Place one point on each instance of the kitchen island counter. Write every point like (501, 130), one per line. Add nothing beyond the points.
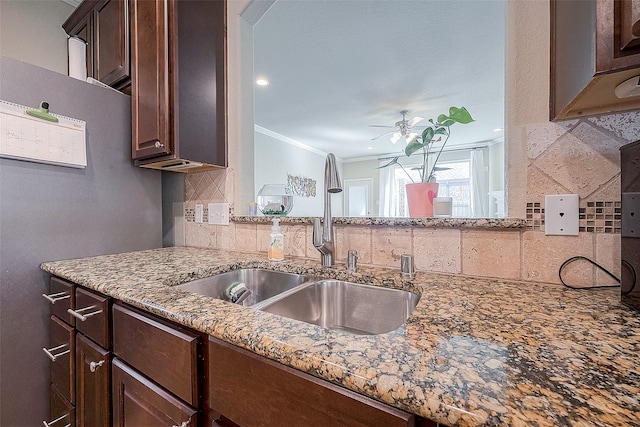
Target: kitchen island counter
(474, 352)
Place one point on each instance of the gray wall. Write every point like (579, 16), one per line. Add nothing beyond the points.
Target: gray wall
(51, 212)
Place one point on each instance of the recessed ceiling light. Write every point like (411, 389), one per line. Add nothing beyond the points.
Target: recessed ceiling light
(498, 130)
(262, 82)
(369, 148)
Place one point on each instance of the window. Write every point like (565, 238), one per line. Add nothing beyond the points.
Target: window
(453, 179)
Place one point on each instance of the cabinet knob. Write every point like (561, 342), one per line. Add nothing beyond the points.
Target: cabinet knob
(79, 313)
(52, 298)
(159, 144)
(93, 366)
(50, 423)
(53, 357)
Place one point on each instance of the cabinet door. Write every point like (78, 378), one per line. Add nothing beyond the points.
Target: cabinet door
(111, 42)
(93, 391)
(617, 35)
(150, 78)
(629, 16)
(139, 402)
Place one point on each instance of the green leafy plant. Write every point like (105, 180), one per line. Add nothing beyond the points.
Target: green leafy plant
(439, 129)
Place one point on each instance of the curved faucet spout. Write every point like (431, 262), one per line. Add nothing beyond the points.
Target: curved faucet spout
(324, 241)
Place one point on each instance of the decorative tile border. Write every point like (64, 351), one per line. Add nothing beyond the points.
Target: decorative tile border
(597, 217)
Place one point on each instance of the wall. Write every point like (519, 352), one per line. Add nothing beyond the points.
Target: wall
(542, 158)
(275, 160)
(52, 212)
(31, 31)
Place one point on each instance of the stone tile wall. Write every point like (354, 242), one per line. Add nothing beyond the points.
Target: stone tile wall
(578, 156)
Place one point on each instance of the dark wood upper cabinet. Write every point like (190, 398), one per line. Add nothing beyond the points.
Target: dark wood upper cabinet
(595, 46)
(178, 84)
(111, 43)
(104, 26)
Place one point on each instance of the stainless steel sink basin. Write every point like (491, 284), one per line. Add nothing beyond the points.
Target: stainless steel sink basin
(350, 307)
(262, 283)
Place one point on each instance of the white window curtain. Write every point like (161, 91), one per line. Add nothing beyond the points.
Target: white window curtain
(479, 185)
(387, 193)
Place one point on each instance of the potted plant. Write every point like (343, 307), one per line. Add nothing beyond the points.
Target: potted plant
(420, 194)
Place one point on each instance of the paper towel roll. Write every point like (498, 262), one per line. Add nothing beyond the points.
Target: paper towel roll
(77, 58)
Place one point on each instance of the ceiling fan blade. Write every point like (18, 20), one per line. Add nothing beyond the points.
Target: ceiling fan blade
(411, 137)
(380, 136)
(381, 126)
(415, 121)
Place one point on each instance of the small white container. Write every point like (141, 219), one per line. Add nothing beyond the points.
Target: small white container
(442, 206)
(276, 242)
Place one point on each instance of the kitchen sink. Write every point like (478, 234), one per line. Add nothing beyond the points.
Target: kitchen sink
(261, 283)
(350, 307)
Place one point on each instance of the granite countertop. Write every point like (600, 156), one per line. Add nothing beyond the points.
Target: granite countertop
(426, 222)
(474, 352)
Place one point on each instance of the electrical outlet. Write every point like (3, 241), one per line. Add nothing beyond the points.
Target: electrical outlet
(561, 214)
(199, 213)
(219, 213)
(631, 215)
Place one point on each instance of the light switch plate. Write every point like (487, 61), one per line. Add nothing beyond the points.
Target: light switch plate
(199, 213)
(630, 215)
(561, 214)
(219, 213)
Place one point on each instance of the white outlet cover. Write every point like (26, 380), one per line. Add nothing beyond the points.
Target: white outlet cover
(561, 215)
(199, 213)
(219, 213)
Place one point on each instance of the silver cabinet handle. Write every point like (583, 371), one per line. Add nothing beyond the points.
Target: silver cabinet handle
(79, 313)
(52, 298)
(184, 424)
(93, 366)
(50, 423)
(159, 144)
(53, 357)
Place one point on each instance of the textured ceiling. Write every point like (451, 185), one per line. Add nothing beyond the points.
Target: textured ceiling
(336, 67)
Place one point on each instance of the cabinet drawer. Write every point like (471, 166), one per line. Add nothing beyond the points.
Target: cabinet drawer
(61, 411)
(254, 391)
(167, 354)
(92, 316)
(61, 297)
(61, 351)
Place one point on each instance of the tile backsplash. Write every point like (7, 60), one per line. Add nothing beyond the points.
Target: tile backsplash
(573, 157)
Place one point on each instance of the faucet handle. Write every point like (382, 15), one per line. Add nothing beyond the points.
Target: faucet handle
(407, 269)
(317, 233)
(352, 260)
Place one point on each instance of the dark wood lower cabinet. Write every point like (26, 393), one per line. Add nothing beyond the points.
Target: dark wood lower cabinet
(138, 402)
(61, 411)
(93, 379)
(254, 391)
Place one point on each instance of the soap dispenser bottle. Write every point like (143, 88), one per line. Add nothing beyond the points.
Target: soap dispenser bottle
(276, 242)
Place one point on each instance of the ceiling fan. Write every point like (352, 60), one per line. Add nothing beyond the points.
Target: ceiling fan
(402, 128)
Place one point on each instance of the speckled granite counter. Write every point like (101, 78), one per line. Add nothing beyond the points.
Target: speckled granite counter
(426, 222)
(475, 352)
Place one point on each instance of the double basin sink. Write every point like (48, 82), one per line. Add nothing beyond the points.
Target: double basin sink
(333, 304)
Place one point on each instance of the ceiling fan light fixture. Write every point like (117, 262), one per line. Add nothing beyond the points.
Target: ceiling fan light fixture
(395, 137)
